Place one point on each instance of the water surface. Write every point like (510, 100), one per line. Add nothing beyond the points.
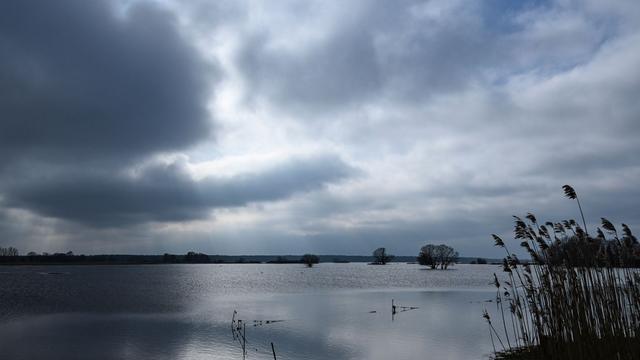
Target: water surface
(330, 311)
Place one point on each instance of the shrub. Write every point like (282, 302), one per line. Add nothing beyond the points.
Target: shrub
(437, 256)
(380, 256)
(309, 259)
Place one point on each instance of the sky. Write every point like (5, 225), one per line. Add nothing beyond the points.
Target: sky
(330, 127)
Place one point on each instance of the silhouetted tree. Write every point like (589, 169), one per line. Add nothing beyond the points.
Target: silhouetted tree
(10, 251)
(309, 259)
(196, 258)
(169, 258)
(437, 256)
(426, 256)
(381, 257)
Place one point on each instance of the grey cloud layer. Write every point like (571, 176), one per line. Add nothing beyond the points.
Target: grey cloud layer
(89, 90)
(409, 51)
(168, 192)
(487, 108)
(461, 114)
(78, 82)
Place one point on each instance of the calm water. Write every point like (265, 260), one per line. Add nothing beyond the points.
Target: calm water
(331, 311)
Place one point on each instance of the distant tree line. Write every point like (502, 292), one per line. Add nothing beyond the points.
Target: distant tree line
(479, 261)
(9, 251)
(191, 257)
(70, 258)
(11, 256)
(435, 256)
(283, 260)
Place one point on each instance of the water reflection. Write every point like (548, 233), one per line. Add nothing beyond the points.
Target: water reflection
(187, 314)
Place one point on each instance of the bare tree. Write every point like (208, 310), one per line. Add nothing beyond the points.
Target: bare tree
(437, 256)
(10, 251)
(427, 256)
(309, 259)
(447, 255)
(380, 256)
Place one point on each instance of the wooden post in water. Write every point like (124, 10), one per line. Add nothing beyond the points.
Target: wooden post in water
(393, 310)
(233, 321)
(273, 350)
(242, 337)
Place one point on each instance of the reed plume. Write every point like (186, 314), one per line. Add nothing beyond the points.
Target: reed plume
(579, 298)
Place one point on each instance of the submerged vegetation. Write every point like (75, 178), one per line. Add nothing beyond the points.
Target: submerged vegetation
(580, 299)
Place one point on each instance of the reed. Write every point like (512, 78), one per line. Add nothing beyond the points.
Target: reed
(579, 298)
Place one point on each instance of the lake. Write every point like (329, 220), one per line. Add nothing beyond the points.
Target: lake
(330, 311)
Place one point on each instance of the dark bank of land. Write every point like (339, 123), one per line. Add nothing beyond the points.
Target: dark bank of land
(195, 258)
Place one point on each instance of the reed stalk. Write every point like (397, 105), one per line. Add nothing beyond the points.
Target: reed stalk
(578, 299)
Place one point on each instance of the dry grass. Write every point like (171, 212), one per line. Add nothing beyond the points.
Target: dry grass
(580, 299)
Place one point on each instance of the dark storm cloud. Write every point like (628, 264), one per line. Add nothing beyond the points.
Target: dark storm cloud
(79, 82)
(168, 192)
(89, 90)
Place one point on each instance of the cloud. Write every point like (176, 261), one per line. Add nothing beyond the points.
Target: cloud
(90, 91)
(410, 51)
(458, 114)
(339, 72)
(167, 192)
(81, 82)
(399, 50)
